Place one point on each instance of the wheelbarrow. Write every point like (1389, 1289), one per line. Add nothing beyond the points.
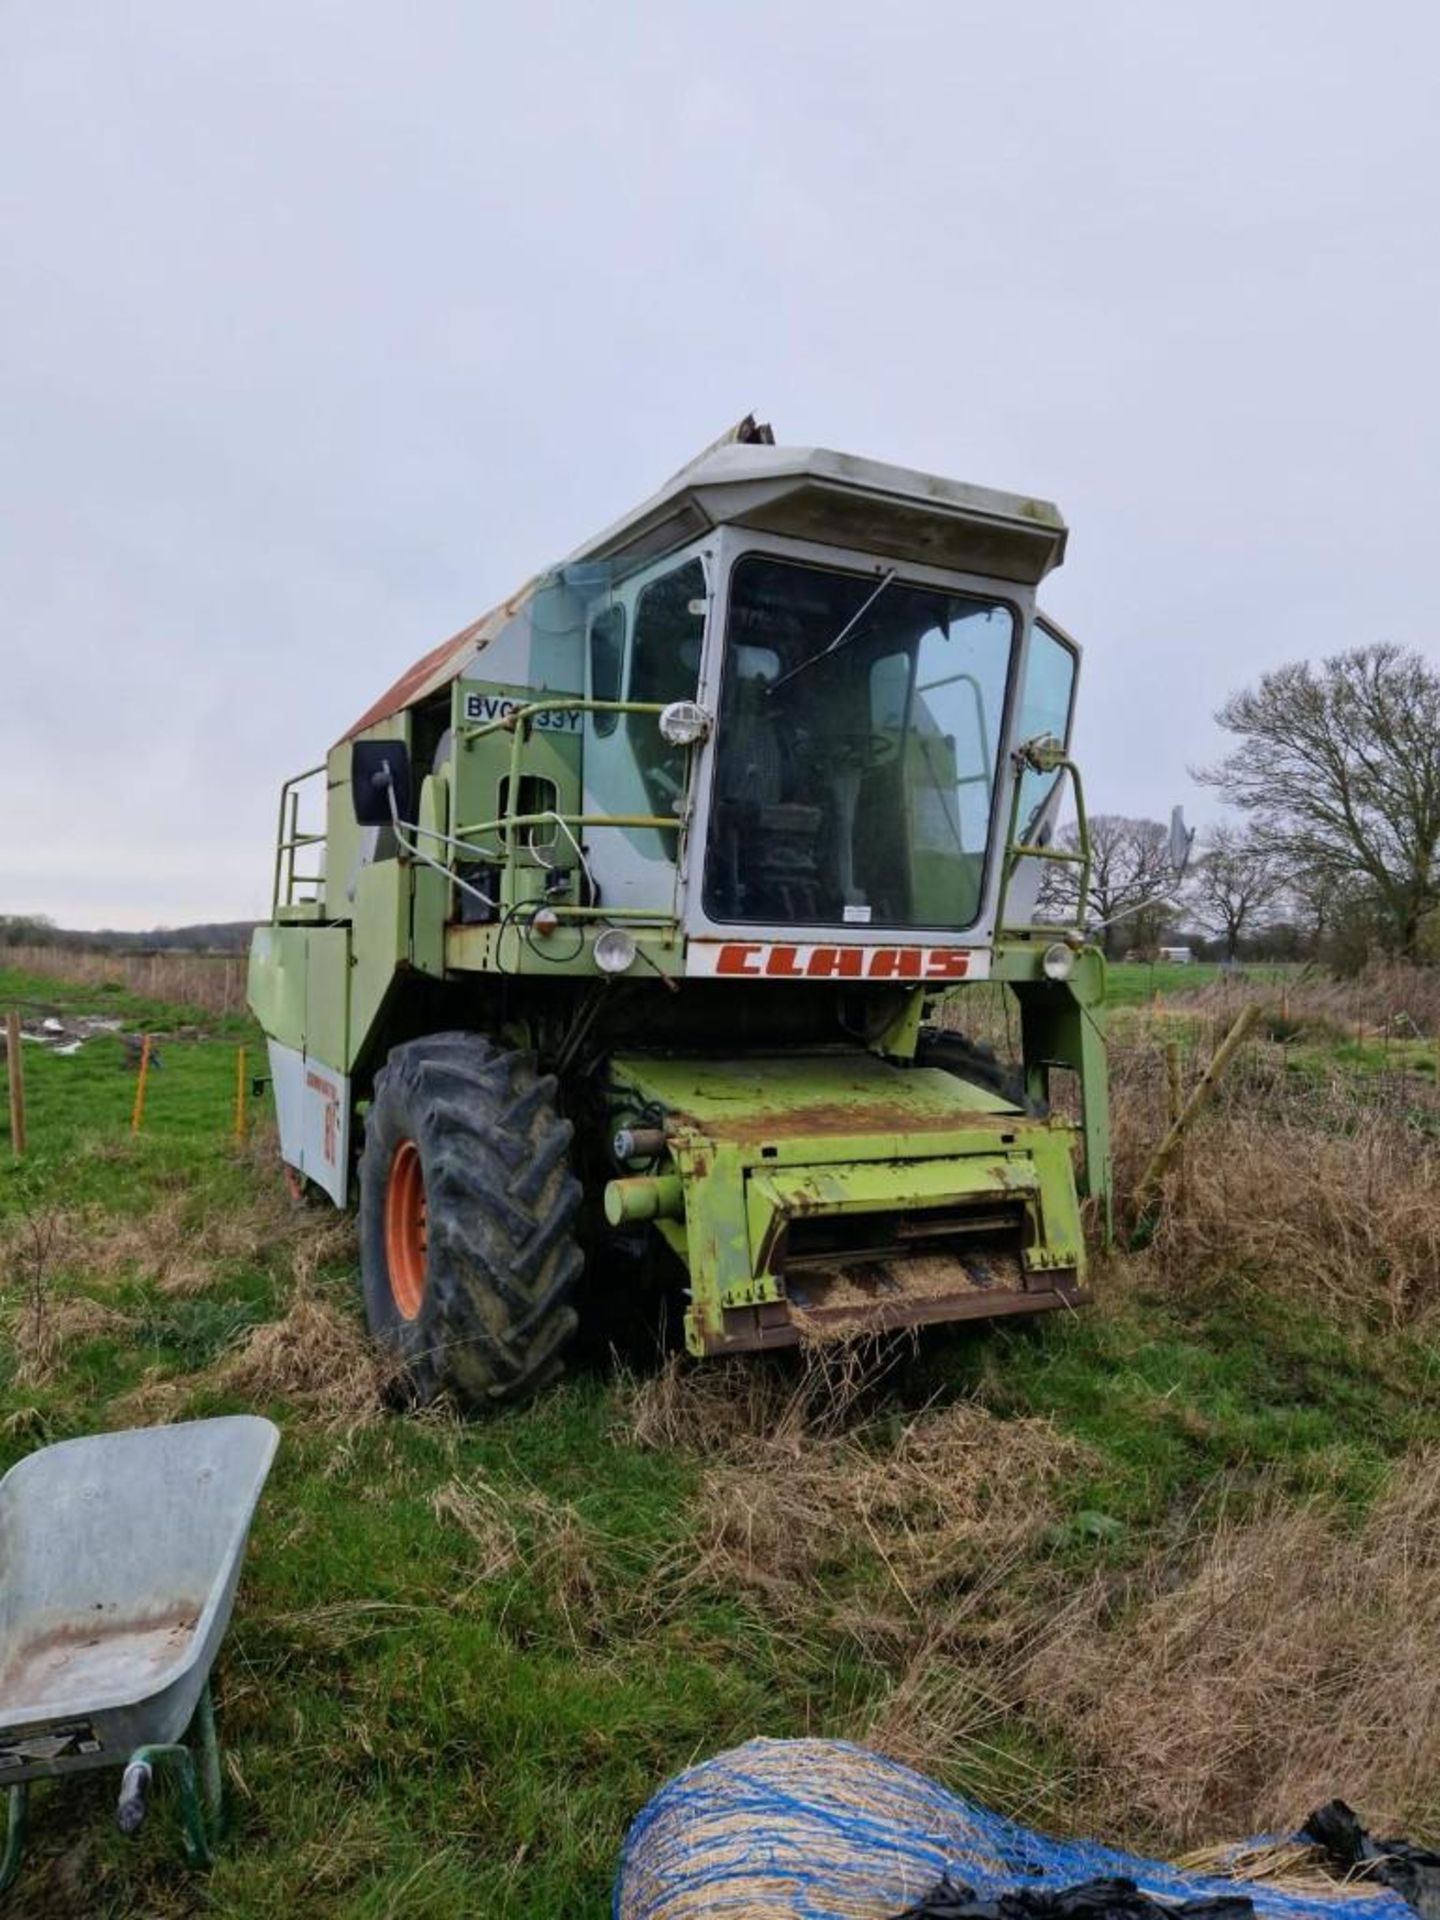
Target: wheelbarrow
(119, 1558)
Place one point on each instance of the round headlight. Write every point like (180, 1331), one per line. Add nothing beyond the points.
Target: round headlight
(1058, 962)
(614, 950)
(684, 722)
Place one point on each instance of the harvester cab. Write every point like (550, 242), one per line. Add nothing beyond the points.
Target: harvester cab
(658, 915)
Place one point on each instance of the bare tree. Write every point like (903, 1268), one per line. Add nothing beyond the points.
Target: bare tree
(1338, 768)
(1130, 878)
(1235, 880)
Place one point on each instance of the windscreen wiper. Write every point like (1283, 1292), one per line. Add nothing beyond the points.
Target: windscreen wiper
(844, 634)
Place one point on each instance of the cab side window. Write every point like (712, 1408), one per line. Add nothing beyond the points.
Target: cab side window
(665, 666)
(1045, 703)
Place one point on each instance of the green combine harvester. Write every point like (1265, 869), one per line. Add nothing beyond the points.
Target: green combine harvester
(639, 932)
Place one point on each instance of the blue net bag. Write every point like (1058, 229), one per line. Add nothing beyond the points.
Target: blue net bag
(823, 1830)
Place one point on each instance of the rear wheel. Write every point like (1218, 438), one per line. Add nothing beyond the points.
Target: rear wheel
(467, 1199)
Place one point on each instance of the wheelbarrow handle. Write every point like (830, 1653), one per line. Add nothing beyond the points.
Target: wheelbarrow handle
(134, 1786)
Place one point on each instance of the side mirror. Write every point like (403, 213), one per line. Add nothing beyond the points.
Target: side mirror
(1182, 839)
(379, 771)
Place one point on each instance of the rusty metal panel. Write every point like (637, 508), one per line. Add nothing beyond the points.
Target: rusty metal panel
(442, 664)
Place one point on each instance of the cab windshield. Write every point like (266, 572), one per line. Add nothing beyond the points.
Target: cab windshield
(860, 721)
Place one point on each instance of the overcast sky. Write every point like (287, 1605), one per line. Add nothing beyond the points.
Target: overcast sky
(323, 326)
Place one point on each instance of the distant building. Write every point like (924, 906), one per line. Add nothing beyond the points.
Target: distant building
(1177, 956)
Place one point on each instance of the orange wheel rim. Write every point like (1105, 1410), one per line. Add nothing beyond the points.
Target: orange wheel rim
(405, 1230)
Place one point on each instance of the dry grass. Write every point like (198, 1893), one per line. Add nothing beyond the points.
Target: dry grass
(318, 1359)
(951, 1703)
(1389, 999)
(43, 1319)
(31, 1256)
(729, 1404)
(1325, 1185)
(1315, 1174)
(1287, 1864)
(522, 1530)
(953, 1491)
(77, 1317)
(176, 1247)
(1283, 1659)
(314, 1354)
(172, 1245)
(215, 982)
(180, 1253)
(487, 1518)
(900, 1537)
(1351, 1219)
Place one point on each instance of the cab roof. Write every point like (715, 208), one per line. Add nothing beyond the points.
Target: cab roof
(809, 493)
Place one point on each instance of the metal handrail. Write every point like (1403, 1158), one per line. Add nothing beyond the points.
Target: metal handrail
(287, 844)
(518, 723)
(555, 703)
(549, 818)
(1017, 850)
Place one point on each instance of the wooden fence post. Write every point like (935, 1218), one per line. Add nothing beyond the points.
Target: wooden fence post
(1172, 1075)
(1205, 1087)
(15, 1073)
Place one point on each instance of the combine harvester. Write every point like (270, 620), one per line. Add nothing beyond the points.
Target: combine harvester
(642, 921)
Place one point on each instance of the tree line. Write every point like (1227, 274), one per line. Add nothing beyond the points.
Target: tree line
(1334, 847)
(211, 936)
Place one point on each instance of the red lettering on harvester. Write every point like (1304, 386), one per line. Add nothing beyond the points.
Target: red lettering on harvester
(735, 958)
(826, 962)
(948, 963)
(784, 962)
(895, 963)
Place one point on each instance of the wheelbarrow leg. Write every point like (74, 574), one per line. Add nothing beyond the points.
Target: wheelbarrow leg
(211, 1784)
(197, 1798)
(14, 1834)
(192, 1813)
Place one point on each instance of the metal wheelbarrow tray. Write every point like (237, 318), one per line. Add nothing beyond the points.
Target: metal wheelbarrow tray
(119, 1558)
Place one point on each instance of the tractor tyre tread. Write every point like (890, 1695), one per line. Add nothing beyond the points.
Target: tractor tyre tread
(501, 1201)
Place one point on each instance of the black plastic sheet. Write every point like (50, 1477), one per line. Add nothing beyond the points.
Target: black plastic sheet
(1107, 1899)
(1411, 1871)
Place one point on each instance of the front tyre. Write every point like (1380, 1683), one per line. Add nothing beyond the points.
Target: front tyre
(467, 1258)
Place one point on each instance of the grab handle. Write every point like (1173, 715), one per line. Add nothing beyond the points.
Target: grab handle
(134, 1786)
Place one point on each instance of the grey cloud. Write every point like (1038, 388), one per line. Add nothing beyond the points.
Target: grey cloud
(324, 325)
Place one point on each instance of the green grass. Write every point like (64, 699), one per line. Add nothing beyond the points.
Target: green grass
(409, 1737)
(1132, 983)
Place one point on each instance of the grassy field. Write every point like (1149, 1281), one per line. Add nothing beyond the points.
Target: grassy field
(1134, 983)
(1168, 1571)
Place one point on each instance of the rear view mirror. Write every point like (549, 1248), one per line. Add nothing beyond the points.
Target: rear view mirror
(380, 771)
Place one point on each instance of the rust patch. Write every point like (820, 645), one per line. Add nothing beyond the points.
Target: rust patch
(442, 663)
(108, 1649)
(404, 690)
